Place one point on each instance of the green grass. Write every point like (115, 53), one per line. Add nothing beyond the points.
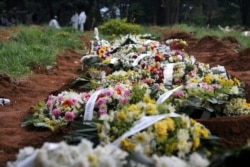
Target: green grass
(31, 46)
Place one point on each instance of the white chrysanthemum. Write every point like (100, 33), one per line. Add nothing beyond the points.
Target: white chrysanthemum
(183, 134)
(234, 90)
(165, 161)
(186, 120)
(184, 147)
(196, 160)
(85, 146)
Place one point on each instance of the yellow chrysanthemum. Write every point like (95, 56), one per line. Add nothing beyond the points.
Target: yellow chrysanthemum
(121, 116)
(151, 109)
(192, 121)
(226, 82)
(126, 145)
(160, 130)
(204, 132)
(141, 138)
(147, 99)
(170, 124)
(133, 107)
(207, 78)
(196, 143)
(237, 82)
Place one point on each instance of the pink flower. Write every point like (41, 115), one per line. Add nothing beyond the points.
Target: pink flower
(85, 96)
(178, 94)
(126, 92)
(60, 98)
(74, 101)
(69, 116)
(102, 112)
(56, 112)
(49, 104)
(108, 93)
(123, 100)
(100, 101)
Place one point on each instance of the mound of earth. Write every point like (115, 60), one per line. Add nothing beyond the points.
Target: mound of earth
(27, 91)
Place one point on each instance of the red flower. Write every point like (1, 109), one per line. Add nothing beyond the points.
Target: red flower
(157, 58)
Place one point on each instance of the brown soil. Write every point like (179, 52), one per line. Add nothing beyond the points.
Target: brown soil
(27, 91)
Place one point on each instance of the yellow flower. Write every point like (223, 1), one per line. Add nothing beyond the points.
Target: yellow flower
(106, 61)
(133, 107)
(246, 104)
(237, 82)
(121, 116)
(147, 99)
(126, 145)
(140, 137)
(207, 78)
(196, 143)
(170, 124)
(99, 127)
(160, 130)
(204, 132)
(192, 121)
(151, 109)
(226, 82)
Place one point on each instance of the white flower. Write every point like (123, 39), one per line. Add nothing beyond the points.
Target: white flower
(196, 160)
(172, 161)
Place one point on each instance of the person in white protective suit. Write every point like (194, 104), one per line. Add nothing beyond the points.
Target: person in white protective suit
(74, 20)
(54, 23)
(82, 20)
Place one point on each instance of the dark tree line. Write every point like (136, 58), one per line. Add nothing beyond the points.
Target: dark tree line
(146, 12)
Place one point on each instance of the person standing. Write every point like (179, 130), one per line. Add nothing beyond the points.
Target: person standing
(82, 20)
(54, 23)
(74, 20)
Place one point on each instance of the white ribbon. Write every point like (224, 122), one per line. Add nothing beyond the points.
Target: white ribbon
(89, 108)
(166, 95)
(135, 63)
(168, 73)
(143, 123)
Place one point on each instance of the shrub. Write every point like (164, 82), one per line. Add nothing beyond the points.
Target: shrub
(115, 26)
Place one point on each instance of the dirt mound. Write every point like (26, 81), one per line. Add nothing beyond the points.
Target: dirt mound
(28, 91)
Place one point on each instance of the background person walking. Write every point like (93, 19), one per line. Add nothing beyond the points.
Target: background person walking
(82, 20)
(54, 23)
(74, 20)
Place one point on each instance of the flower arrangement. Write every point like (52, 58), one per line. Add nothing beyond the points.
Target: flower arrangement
(206, 92)
(167, 135)
(57, 111)
(85, 154)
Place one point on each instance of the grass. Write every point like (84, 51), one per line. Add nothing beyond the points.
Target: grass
(31, 46)
(35, 45)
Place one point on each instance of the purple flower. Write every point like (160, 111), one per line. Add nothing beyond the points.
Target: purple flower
(123, 100)
(56, 112)
(69, 116)
(102, 112)
(49, 104)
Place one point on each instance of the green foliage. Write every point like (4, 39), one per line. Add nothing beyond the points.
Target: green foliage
(117, 27)
(32, 46)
